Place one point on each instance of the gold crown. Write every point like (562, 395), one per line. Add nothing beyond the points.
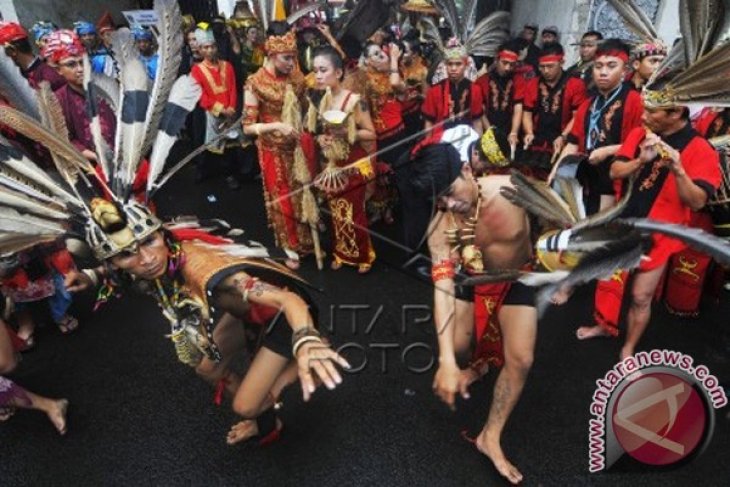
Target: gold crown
(658, 99)
(279, 44)
(419, 6)
(455, 52)
(491, 149)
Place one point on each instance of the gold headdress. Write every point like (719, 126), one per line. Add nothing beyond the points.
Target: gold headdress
(419, 7)
(281, 44)
(495, 147)
(242, 18)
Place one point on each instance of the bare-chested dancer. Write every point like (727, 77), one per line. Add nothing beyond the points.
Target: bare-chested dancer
(502, 237)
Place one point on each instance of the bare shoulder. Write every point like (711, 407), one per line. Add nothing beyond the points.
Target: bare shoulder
(494, 205)
(490, 186)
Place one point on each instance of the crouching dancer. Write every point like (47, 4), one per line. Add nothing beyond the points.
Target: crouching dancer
(206, 291)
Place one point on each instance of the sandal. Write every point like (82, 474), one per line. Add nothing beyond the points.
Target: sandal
(67, 324)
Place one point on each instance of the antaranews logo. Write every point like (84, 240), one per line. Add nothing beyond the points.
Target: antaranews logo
(657, 407)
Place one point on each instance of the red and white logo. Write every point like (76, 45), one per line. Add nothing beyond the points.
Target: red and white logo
(659, 418)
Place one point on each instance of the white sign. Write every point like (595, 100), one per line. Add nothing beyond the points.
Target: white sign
(141, 18)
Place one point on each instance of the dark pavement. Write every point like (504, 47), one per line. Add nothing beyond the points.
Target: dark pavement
(138, 417)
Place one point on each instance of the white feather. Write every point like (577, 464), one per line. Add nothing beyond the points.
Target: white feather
(170, 43)
(185, 94)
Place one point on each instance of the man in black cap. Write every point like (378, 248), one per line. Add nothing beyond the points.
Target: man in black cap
(549, 35)
(529, 33)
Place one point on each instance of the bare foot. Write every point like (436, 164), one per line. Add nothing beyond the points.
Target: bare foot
(561, 296)
(242, 431)
(493, 451)
(587, 332)
(57, 414)
(6, 412)
(292, 264)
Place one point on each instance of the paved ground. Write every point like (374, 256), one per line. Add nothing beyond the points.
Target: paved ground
(137, 417)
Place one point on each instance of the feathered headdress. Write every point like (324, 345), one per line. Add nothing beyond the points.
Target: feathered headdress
(469, 38)
(695, 72)
(649, 43)
(95, 203)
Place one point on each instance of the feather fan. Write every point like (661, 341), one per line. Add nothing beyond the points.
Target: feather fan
(22, 202)
(469, 17)
(537, 198)
(624, 253)
(704, 83)
(18, 163)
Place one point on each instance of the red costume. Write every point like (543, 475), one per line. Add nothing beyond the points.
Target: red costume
(499, 94)
(656, 196)
(219, 86)
(447, 100)
(614, 116)
(282, 192)
(551, 109)
(687, 269)
(352, 244)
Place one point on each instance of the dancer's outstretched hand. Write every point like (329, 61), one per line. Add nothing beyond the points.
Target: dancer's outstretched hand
(316, 360)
